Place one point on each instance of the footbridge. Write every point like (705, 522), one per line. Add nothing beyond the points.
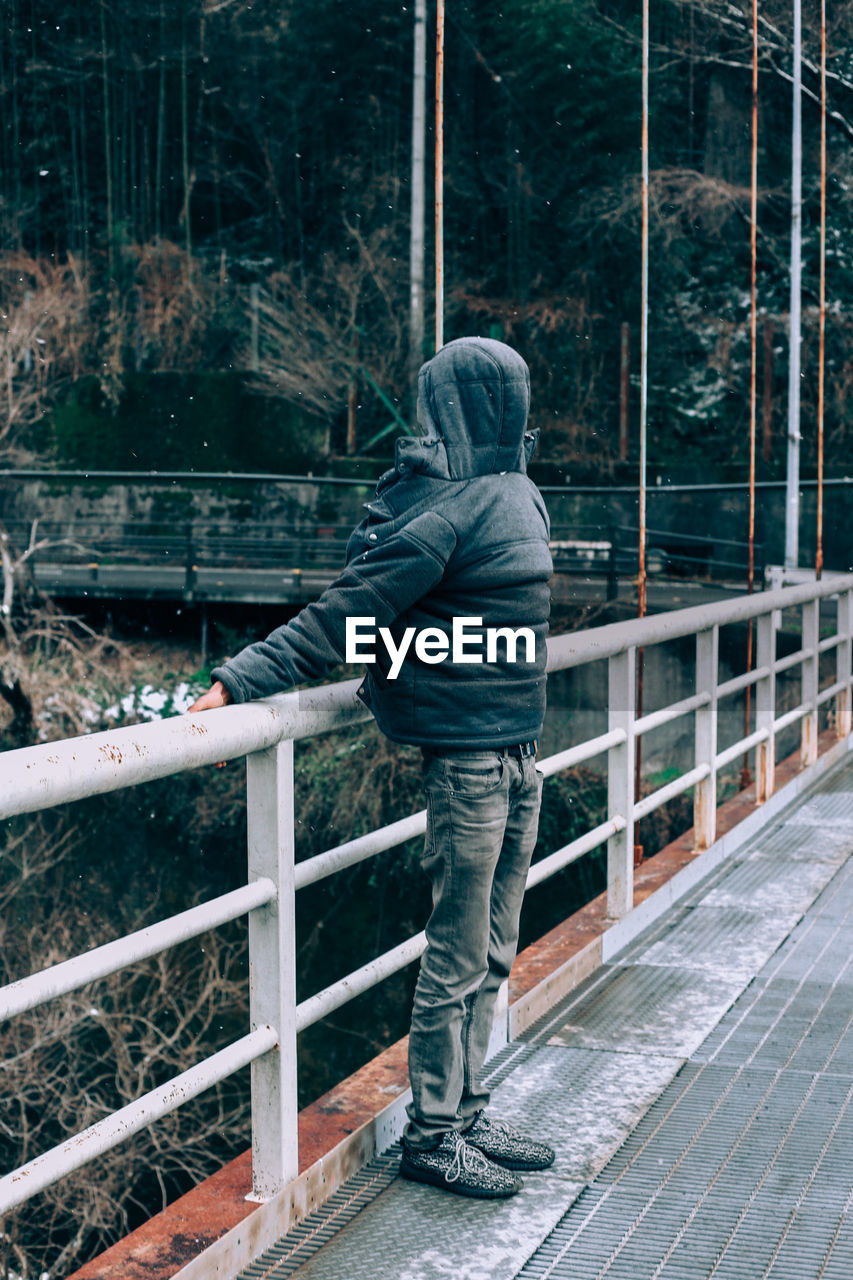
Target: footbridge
(684, 1040)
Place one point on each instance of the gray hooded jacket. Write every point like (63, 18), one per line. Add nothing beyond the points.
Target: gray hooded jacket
(456, 530)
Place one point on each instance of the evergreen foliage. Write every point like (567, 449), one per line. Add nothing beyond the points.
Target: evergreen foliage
(179, 154)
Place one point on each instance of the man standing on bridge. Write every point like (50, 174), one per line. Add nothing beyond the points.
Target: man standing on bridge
(457, 536)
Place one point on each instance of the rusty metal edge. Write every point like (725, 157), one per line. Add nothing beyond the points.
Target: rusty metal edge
(531, 1006)
(273, 1219)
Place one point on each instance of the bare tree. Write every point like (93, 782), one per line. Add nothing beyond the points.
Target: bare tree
(76, 1059)
(47, 657)
(729, 42)
(319, 335)
(42, 340)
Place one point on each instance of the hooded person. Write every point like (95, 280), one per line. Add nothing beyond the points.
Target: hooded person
(445, 596)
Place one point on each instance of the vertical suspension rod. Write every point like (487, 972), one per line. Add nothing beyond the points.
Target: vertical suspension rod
(644, 319)
(792, 500)
(439, 175)
(753, 328)
(416, 231)
(822, 344)
(644, 387)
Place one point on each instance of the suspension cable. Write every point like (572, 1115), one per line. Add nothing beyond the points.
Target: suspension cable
(644, 320)
(644, 383)
(822, 344)
(439, 175)
(746, 777)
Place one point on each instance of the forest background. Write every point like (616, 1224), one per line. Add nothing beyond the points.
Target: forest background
(205, 216)
(159, 160)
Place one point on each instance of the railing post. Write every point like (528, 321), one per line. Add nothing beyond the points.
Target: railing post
(810, 681)
(189, 562)
(272, 969)
(843, 661)
(705, 793)
(765, 705)
(620, 783)
(612, 570)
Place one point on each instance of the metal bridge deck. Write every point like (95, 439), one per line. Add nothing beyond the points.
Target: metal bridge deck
(698, 1090)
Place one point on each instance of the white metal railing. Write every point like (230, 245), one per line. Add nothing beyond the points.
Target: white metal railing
(39, 777)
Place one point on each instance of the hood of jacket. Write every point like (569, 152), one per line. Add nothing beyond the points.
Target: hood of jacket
(473, 402)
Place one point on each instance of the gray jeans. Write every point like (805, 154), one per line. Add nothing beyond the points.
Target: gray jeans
(482, 819)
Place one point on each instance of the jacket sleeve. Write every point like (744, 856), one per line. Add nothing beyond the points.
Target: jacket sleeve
(381, 583)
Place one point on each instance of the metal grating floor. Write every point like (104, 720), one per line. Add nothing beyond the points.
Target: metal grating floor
(699, 1091)
(743, 1167)
(285, 1258)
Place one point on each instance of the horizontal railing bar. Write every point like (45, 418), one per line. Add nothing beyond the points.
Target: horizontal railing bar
(738, 748)
(146, 535)
(830, 642)
(366, 846)
(48, 1168)
(672, 789)
(55, 773)
(70, 975)
(354, 851)
(569, 853)
(229, 477)
(791, 717)
(583, 751)
(355, 984)
(792, 660)
(708, 562)
(675, 709)
(578, 647)
(684, 537)
(738, 683)
(831, 691)
(163, 545)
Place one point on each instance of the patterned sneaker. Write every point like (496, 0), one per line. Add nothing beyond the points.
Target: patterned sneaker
(504, 1145)
(457, 1167)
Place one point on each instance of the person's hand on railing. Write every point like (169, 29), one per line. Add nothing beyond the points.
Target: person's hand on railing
(216, 696)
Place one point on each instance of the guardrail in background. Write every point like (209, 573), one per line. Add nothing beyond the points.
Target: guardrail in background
(192, 544)
(612, 551)
(39, 777)
(577, 549)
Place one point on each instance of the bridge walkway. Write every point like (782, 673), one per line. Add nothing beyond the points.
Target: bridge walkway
(697, 1088)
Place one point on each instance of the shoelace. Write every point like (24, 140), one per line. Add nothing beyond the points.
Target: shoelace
(466, 1159)
(501, 1126)
(496, 1126)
